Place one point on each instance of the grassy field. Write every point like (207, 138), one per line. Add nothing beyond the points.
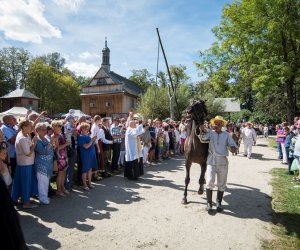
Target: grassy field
(286, 210)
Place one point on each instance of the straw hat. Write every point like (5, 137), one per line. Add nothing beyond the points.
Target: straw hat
(138, 117)
(218, 118)
(249, 123)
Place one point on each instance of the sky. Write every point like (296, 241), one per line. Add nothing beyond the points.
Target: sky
(77, 30)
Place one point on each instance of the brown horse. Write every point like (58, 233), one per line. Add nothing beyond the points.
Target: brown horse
(195, 151)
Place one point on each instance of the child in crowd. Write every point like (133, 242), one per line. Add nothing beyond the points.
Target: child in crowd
(88, 155)
(166, 142)
(266, 131)
(161, 147)
(121, 161)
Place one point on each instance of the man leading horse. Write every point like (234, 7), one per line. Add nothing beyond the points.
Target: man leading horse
(217, 163)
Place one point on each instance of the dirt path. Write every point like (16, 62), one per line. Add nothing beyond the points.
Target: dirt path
(148, 214)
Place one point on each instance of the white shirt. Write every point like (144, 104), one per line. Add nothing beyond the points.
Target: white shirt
(23, 144)
(102, 137)
(249, 135)
(95, 131)
(131, 143)
(218, 146)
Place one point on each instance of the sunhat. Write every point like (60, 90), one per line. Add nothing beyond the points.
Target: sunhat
(218, 118)
(138, 117)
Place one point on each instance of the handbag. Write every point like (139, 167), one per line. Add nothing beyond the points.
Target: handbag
(294, 165)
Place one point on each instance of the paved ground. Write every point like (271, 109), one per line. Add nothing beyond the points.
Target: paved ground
(148, 214)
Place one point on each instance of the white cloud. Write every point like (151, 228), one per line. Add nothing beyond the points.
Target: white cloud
(83, 69)
(88, 55)
(24, 21)
(73, 5)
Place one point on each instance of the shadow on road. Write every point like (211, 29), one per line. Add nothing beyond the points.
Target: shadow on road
(247, 202)
(74, 210)
(260, 157)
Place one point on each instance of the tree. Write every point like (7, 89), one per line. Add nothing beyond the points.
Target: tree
(257, 52)
(149, 105)
(14, 64)
(154, 103)
(142, 78)
(54, 60)
(57, 91)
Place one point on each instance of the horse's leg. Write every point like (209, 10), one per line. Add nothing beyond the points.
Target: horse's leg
(187, 180)
(202, 178)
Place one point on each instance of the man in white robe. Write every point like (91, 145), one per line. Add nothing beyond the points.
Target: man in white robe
(133, 151)
(249, 138)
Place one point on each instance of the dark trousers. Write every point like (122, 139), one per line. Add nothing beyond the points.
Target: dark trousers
(79, 167)
(279, 150)
(13, 164)
(134, 169)
(115, 156)
(72, 158)
(107, 157)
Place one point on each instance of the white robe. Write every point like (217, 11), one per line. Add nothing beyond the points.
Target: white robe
(249, 137)
(131, 146)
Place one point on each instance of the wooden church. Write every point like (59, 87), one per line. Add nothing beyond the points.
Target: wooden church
(109, 94)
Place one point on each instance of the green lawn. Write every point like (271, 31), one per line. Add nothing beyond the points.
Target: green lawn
(286, 212)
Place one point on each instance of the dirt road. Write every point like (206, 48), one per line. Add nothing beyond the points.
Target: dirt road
(148, 214)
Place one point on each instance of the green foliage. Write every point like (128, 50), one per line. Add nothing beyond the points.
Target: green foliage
(257, 50)
(243, 114)
(58, 91)
(149, 105)
(45, 76)
(55, 60)
(154, 103)
(203, 90)
(260, 117)
(142, 78)
(14, 63)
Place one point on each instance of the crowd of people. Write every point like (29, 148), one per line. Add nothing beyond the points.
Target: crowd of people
(288, 146)
(33, 151)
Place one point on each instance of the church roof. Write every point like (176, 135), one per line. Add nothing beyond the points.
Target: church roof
(106, 81)
(20, 93)
(104, 77)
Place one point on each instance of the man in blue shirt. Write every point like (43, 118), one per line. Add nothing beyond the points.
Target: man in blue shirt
(10, 133)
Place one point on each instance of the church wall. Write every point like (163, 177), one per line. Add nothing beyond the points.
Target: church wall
(103, 105)
(129, 102)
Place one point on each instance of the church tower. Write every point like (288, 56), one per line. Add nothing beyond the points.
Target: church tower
(105, 57)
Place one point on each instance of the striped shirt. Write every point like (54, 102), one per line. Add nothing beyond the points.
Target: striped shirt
(116, 131)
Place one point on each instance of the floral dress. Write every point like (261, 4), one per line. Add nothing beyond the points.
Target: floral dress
(61, 155)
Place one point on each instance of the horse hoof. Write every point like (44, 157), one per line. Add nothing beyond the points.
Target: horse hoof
(184, 201)
(200, 191)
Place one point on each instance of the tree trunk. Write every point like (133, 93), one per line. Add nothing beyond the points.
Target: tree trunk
(290, 100)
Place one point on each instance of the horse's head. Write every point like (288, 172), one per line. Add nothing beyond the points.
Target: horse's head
(197, 111)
